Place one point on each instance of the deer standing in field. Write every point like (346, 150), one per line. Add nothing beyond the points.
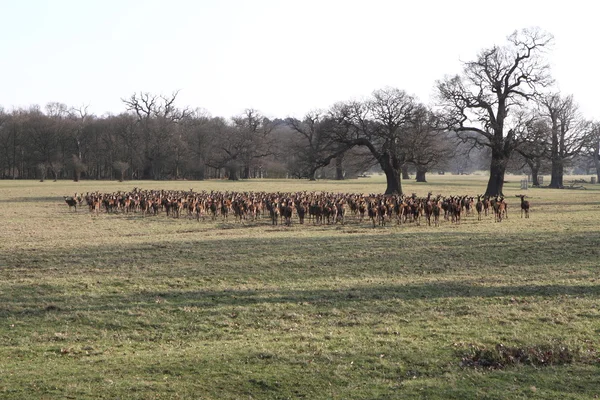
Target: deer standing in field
(524, 205)
(487, 204)
(500, 211)
(479, 207)
(71, 202)
(436, 210)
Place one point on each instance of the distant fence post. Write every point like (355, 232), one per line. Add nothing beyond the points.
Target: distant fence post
(524, 184)
(593, 180)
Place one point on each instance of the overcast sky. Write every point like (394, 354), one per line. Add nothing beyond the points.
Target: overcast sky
(282, 58)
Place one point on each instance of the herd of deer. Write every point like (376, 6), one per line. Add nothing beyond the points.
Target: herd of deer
(281, 208)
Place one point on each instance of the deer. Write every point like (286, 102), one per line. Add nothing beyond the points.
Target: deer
(274, 211)
(524, 205)
(372, 211)
(71, 202)
(428, 208)
(287, 210)
(499, 206)
(479, 207)
(487, 204)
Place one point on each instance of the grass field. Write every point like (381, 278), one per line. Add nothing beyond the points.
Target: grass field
(121, 306)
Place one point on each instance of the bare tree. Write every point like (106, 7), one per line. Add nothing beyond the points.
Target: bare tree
(80, 119)
(240, 146)
(56, 167)
(157, 117)
(79, 167)
(425, 144)
(255, 137)
(379, 124)
(501, 79)
(592, 148)
(534, 146)
(44, 139)
(122, 167)
(568, 133)
(312, 144)
(197, 130)
(225, 148)
(43, 168)
(127, 143)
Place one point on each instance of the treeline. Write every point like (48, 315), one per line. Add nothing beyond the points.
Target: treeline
(155, 139)
(151, 139)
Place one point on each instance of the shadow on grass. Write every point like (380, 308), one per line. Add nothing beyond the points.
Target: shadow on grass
(46, 199)
(328, 254)
(28, 300)
(279, 262)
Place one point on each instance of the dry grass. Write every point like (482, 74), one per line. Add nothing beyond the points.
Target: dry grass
(116, 306)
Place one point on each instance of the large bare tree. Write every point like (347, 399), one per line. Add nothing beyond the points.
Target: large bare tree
(255, 140)
(197, 127)
(592, 148)
(568, 133)
(239, 146)
(379, 124)
(534, 146)
(500, 80)
(157, 117)
(312, 143)
(425, 144)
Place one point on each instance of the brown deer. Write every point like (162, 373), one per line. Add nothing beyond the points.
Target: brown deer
(287, 211)
(436, 210)
(487, 204)
(479, 207)
(499, 206)
(428, 209)
(372, 211)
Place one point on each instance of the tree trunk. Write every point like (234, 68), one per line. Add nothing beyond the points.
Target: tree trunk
(42, 169)
(392, 175)
(312, 175)
(556, 177)
(497, 170)
(246, 172)
(534, 166)
(556, 180)
(233, 174)
(597, 164)
(421, 171)
(339, 168)
(405, 174)
(535, 170)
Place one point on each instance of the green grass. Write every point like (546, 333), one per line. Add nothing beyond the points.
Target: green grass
(116, 306)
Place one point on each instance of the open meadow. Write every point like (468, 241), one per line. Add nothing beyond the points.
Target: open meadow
(132, 307)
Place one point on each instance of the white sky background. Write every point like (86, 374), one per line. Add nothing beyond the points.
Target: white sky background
(282, 58)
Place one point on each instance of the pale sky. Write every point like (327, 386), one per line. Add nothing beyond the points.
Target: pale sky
(283, 58)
